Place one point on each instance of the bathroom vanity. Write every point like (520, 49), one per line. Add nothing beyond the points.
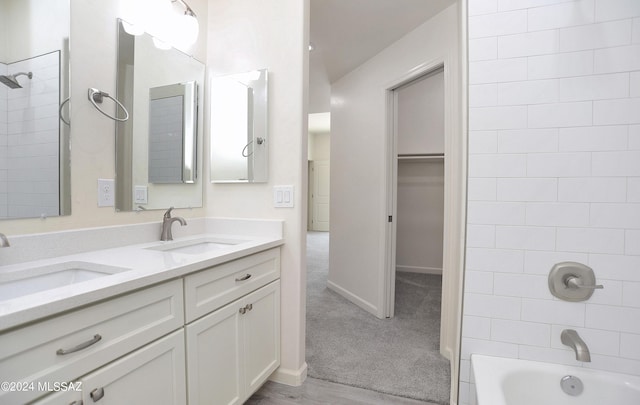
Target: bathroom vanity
(204, 329)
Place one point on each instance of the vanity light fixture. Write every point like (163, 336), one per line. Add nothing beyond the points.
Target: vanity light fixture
(187, 26)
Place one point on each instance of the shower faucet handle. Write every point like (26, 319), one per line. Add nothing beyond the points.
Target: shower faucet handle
(573, 281)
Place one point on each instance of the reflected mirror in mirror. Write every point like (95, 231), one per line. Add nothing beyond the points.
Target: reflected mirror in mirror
(158, 160)
(34, 109)
(239, 143)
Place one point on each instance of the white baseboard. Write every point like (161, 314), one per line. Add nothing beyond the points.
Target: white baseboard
(367, 306)
(423, 270)
(290, 377)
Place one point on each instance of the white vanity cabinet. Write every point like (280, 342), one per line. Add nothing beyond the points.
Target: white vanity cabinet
(232, 350)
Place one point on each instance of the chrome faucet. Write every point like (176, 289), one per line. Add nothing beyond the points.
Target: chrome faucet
(4, 242)
(167, 221)
(571, 338)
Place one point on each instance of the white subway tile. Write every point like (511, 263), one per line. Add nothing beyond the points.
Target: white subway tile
(631, 294)
(491, 306)
(635, 36)
(496, 71)
(496, 260)
(551, 311)
(485, 118)
(480, 282)
(630, 346)
(476, 327)
(614, 112)
(618, 59)
(465, 370)
(525, 333)
(557, 214)
(521, 285)
(634, 137)
(483, 95)
(634, 86)
(592, 189)
(479, 346)
(497, 165)
(593, 138)
(632, 243)
(598, 87)
(527, 189)
(616, 9)
(481, 189)
(525, 237)
(483, 142)
(633, 189)
(478, 7)
(615, 267)
(506, 5)
(496, 213)
(621, 216)
(556, 356)
(529, 92)
(560, 65)
(483, 49)
(611, 294)
(561, 15)
(616, 163)
(591, 240)
(511, 22)
(481, 236)
(614, 364)
(612, 318)
(594, 36)
(529, 44)
(542, 262)
(560, 115)
(599, 341)
(464, 396)
(528, 140)
(559, 164)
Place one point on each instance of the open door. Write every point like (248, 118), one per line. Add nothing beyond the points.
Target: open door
(319, 195)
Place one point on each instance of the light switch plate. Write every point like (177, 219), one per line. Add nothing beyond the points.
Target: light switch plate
(140, 196)
(283, 196)
(106, 192)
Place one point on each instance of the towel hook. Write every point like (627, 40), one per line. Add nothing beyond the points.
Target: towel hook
(68, 122)
(96, 96)
(259, 141)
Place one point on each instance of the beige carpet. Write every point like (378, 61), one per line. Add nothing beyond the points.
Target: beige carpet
(347, 345)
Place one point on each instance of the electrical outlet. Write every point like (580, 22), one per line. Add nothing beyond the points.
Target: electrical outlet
(106, 192)
(140, 194)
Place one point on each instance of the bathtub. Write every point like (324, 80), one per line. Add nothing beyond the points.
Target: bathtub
(501, 381)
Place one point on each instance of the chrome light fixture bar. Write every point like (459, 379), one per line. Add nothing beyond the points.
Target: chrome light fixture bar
(188, 11)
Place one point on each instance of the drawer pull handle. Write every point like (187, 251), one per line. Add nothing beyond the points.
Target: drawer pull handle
(246, 308)
(97, 394)
(243, 310)
(249, 307)
(76, 403)
(244, 278)
(96, 339)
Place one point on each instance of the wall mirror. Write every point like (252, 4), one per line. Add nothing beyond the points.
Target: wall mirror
(158, 149)
(34, 108)
(239, 141)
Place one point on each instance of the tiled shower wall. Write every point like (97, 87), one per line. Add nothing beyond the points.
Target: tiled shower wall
(29, 168)
(554, 175)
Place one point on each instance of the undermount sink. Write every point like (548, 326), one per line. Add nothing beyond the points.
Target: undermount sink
(196, 246)
(37, 279)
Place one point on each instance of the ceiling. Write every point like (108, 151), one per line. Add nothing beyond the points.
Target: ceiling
(346, 33)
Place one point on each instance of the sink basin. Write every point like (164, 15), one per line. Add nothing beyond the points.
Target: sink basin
(33, 280)
(196, 246)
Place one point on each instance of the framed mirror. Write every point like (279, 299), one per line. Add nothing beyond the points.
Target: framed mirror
(239, 142)
(34, 109)
(158, 150)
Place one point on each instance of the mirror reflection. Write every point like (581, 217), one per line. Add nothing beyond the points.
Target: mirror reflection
(34, 115)
(158, 161)
(239, 149)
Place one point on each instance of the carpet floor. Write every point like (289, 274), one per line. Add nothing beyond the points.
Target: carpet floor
(347, 345)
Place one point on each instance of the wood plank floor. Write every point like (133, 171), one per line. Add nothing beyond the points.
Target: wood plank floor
(320, 392)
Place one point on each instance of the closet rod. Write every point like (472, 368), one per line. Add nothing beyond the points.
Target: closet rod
(421, 156)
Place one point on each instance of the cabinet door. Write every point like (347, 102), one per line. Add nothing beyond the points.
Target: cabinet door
(214, 358)
(153, 374)
(261, 329)
(61, 398)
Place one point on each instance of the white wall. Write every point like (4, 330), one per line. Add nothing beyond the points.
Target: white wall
(271, 34)
(358, 155)
(319, 146)
(554, 175)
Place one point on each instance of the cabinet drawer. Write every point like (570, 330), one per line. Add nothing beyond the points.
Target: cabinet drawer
(210, 289)
(65, 347)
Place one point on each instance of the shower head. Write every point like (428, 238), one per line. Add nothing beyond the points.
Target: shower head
(11, 81)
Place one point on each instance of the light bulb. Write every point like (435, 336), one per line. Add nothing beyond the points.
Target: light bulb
(186, 31)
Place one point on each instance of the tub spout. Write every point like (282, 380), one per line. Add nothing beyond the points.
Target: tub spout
(571, 338)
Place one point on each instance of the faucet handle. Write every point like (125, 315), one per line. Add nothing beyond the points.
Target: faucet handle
(168, 213)
(575, 282)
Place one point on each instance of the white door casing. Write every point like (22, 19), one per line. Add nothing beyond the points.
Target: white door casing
(319, 195)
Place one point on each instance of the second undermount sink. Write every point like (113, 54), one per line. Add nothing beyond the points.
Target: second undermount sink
(37, 279)
(196, 246)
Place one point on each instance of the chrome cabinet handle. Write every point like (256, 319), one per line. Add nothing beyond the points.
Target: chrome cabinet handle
(96, 339)
(97, 394)
(244, 278)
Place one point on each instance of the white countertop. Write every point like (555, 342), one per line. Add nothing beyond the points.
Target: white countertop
(146, 266)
